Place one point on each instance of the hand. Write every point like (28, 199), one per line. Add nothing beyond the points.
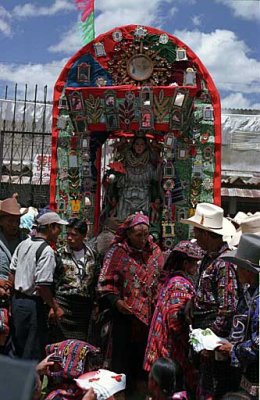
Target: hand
(226, 347)
(89, 395)
(188, 311)
(59, 313)
(43, 367)
(123, 308)
(6, 284)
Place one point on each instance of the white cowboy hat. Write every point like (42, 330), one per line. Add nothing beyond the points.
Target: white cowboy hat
(211, 218)
(248, 225)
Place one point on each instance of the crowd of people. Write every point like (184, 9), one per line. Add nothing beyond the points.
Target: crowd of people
(130, 307)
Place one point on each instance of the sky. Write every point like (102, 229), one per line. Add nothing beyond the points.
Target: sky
(38, 37)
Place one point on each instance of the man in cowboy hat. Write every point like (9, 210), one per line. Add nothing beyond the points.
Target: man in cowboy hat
(10, 235)
(33, 284)
(216, 293)
(243, 345)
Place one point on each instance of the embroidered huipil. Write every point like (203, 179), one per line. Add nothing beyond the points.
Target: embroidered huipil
(132, 275)
(245, 336)
(217, 292)
(168, 335)
(79, 276)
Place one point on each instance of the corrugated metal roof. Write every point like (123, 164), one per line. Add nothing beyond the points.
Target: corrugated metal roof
(237, 192)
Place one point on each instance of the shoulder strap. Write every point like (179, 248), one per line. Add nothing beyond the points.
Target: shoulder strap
(40, 249)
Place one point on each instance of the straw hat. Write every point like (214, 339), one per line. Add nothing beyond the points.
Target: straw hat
(10, 206)
(211, 218)
(247, 255)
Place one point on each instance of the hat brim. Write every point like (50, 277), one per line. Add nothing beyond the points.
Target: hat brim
(62, 222)
(18, 214)
(240, 262)
(227, 229)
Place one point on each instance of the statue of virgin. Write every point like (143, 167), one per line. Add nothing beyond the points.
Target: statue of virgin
(138, 186)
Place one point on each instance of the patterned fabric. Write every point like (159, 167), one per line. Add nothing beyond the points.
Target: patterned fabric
(75, 322)
(245, 337)
(216, 293)
(191, 249)
(78, 278)
(4, 325)
(73, 354)
(168, 336)
(133, 275)
(215, 303)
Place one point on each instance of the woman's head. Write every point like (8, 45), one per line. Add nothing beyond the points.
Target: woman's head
(76, 233)
(139, 145)
(184, 257)
(135, 229)
(162, 378)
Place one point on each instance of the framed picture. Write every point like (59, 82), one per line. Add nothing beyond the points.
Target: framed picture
(146, 121)
(181, 54)
(176, 120)
(189, 78)
(80, 124)
(180, 97)
(208, 113)
(76, 102)
(83, 73)
(168, 230)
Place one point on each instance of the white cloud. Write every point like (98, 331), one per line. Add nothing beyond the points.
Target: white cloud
(197, 20)
(246, 9)
(5, 19)
(32, 10)
(121, 12)
(70, 42)
(35, 74)
(226, 58)
(238, 100)
(112, 13)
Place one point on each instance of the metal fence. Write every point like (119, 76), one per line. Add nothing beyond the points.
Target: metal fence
(25, 146)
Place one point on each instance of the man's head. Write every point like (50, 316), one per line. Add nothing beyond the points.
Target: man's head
(247, 258)
(210, 226)
(76, 233)
(49, 225)
(9, 217)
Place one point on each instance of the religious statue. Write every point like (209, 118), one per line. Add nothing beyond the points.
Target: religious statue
(137, 185)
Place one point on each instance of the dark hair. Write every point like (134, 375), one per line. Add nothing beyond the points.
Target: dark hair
(175, 261)
(164, 374)
(80, 226)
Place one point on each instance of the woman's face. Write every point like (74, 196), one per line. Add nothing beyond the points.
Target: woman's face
(190, 266)
(139, 146)
(138, 236)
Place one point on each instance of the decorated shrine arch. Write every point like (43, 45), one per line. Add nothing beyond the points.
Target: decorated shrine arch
(148, 95)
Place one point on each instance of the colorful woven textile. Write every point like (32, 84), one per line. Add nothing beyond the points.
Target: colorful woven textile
(73, 354)
(133, 275)
(168, 336)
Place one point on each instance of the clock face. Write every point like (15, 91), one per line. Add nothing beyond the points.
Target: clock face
(140, 67)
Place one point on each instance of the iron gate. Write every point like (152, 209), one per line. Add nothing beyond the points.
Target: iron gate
(25, 147)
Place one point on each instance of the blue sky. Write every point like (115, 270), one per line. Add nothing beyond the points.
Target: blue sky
(37, 38)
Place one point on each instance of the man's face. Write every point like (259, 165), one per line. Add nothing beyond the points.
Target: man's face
(244, 276)
(202, 238)
(74, 239)
(54, 232)
(10, 224)
(138, 236)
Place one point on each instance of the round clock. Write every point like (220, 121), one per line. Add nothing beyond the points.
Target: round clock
(140, 67)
